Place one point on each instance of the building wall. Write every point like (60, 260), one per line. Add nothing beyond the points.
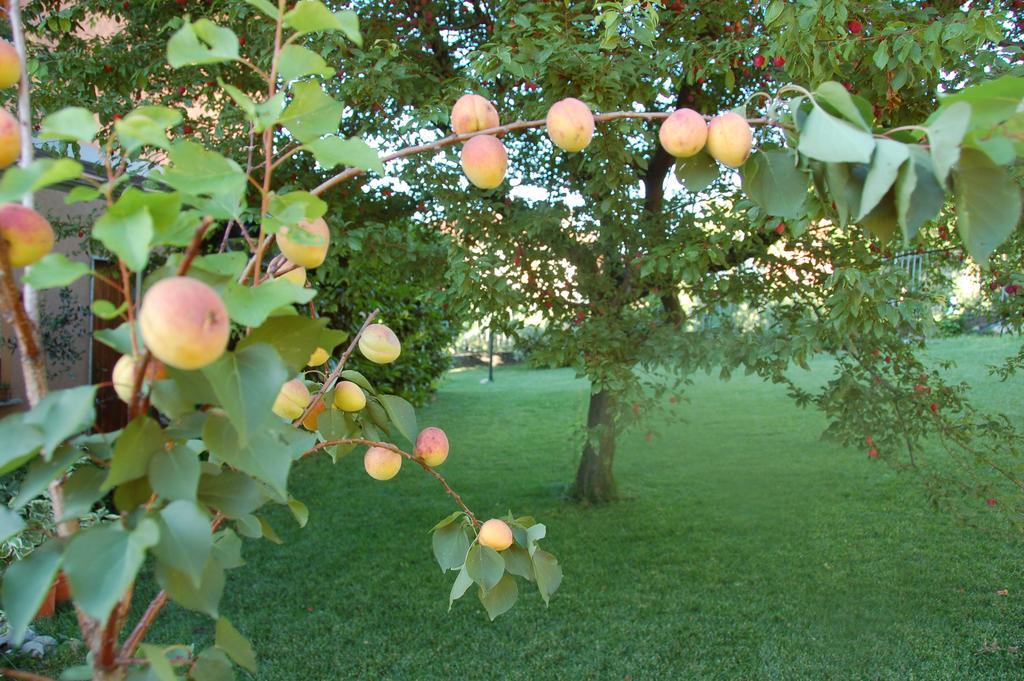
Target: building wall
(66, 316)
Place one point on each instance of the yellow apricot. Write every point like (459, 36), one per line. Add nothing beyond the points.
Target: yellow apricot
(318, 357)
(730, 139)
(311, 250)
(379, 344)
(381, 463)
(184, 323)
(28, 235)
(349, 397)
(570, 124)
(472, 113)
(485, 161)
(292, 399)
(10, 139)
(683, 133)
(431, 446)
(496, 534)
(10, 65)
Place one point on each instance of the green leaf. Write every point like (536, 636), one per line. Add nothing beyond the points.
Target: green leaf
(697, 173)
(41, 473)
(267, 455)
(265, 7)
(26, 584)
(82, 194)
(295, 338)
(548, 573)
(198, 172)
(358, 379)
(297, 61)
(163, 208)
(102, 561)
(402, 415)
(104, 309)
(462, 583)
(235, 645)
(81, 490)
(185, 539)
(450, 544)
(21, 442)
(772, 181)
(988, 204)
(147, 125)
(251, 306)
(312, 16)
(333, 151)
(518, 562)
(233, 494)
(485, 566)
(175, 474)
(205, 597)
(945, 134)
(885, 165)
(838, 97)
(201, 43)
(127, 233)
(44, 172)
(501, 598)
(312, 113)
(141, 439)
(73, 124)
(227, 548)
(827, 138)
(299, 510)
(159, 665)
(54, 270)
(246, 383)
(10, 523)
(212, 665)
(63, 413)
(263, 114)
(919, 197)
(992, 101)
(290, 208)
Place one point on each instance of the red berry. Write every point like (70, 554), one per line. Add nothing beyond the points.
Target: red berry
(854, 26)
(1012, 288)
(934, 407)
(117, 117)
(107, 68)
(869, 440)
(779, 62)
(872, 453)
(888, 359)
(187, 129)
(780, 228)
(241, 41)
(991, 502)
(182, 90)
(759, 61)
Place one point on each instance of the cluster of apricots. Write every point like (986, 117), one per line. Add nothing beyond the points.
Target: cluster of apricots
(570, 125)
(27, 233)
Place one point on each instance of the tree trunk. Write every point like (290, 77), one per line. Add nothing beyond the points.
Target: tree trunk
(595, 482)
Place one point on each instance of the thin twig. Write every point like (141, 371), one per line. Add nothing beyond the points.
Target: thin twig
(152, 610)
(423, 464)
(338, 369)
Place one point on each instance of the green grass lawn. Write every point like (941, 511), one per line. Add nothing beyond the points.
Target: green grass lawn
(745, 548)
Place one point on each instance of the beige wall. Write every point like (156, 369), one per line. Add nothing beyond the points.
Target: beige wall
(73, 336)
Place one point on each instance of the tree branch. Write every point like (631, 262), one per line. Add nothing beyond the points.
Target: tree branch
(424, 465)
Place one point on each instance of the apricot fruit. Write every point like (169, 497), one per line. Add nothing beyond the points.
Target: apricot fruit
(292, 399)
(730, 139)
(184, 323)
(379, 344)
(349, 397)
(570, 124)
(123, 375)
(10, 65)
(318, 357)
(10, 139)
(485, 161)
(307, 251)
(496, 534)
(312, 420)
(431, 446)
(472, 113)
(683, 133)
(28, 235)
(289, 272)
(381, 463)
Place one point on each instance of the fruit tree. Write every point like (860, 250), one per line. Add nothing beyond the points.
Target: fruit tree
(221, 399)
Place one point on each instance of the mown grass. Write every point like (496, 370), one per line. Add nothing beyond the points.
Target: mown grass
(744, 547)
